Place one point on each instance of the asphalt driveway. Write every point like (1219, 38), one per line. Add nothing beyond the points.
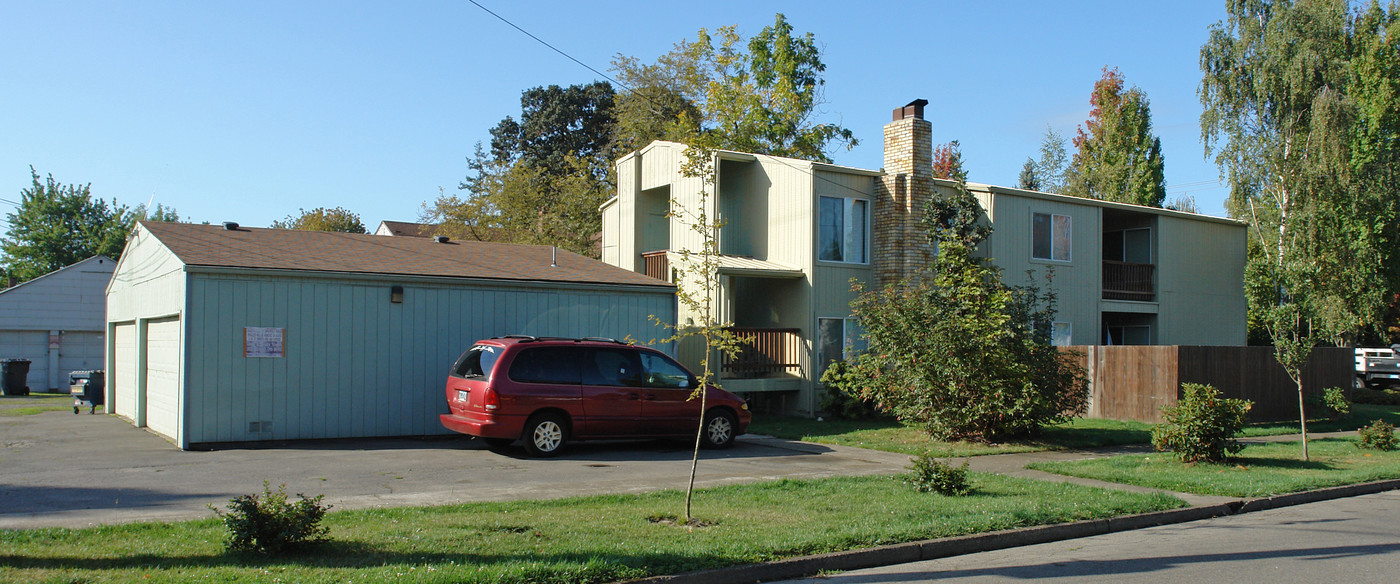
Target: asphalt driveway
(63, 470)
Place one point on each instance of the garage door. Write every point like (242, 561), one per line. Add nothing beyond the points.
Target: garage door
(163, 376)
(123, 373)
(79, 351)
(32, 345)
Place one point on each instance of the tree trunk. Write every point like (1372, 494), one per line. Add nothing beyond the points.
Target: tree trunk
(1302, 418)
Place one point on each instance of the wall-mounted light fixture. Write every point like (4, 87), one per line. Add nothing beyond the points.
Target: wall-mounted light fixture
(396, 295)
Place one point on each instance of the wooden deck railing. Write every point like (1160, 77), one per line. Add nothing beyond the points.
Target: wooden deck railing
(1128, 281)
(763, 352)
(657, 266)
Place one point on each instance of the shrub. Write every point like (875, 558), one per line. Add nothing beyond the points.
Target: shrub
(267, 523)
(958, 351)
(930, 475)
(1380, 435)
(1333, 400)
(842, 394)
(1380, 397)
(1202, 425)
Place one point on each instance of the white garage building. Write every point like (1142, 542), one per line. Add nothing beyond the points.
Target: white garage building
(222, 334)
(55, 321)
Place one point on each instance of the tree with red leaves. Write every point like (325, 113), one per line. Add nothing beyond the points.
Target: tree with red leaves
(1117, 158)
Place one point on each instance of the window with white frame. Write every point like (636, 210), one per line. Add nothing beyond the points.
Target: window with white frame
(837, 339)
(843, 228)
(1051, 237)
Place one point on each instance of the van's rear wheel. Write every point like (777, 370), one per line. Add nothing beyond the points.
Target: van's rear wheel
(545, 435)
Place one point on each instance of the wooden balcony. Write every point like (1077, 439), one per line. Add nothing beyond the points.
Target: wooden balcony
(1129, 281)
(657, 266)
(764, 352)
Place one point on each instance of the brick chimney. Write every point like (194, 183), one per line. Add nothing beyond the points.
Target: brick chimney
(900, 245)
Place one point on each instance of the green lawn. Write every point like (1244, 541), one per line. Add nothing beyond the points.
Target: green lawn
(1259, 470)
(592, 539)
(892, 436)
(34, 403)
(1361, 415)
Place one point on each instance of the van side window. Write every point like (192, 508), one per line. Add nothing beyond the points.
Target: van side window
(613, 367)
(558, 365)
(477, 361)
(663, 372)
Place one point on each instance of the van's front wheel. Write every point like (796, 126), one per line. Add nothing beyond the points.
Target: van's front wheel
(719, 429)
(545, 435)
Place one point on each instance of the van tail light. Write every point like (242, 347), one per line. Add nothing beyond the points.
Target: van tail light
(489, 400)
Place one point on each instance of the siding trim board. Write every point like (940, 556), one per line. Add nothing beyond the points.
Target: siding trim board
(436, 280)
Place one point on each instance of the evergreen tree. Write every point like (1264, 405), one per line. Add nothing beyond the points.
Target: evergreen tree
(1028, 179)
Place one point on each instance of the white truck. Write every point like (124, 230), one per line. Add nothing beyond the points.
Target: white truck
(1378, 367)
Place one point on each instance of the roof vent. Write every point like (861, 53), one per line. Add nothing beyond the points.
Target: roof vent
(915, 109)
(230, 226)
(440, 239)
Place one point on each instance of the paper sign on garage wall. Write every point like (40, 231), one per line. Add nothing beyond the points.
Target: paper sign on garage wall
(263, 341)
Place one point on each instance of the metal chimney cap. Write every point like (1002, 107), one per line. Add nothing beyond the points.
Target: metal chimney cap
(915, 109)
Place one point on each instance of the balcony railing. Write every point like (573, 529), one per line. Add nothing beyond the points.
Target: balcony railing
(657, 266)
(764, 352)
(1128, 281)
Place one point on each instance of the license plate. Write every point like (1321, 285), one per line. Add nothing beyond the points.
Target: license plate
(463, 394)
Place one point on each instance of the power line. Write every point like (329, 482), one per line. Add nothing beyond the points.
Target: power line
(551, 47)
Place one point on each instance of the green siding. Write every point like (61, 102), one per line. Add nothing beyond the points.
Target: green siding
(358, 365)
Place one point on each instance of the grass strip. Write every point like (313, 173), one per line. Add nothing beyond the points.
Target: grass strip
(576, 540)
(1260, 470)
(1080, 433)
(892, 436)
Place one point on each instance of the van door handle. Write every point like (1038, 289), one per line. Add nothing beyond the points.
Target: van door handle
(632, 396)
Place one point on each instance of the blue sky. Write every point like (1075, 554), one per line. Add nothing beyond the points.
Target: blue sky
(249, 111)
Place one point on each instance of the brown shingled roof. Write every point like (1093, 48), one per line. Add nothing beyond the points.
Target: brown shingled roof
(321, 251)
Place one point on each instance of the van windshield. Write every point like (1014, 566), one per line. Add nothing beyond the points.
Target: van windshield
(477, 361)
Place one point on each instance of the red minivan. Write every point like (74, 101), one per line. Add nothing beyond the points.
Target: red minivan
(548, 391)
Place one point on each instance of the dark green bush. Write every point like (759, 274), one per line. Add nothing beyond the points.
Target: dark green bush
(842, 389)
(1380, 435)
(1380, 397)
(1201, 426)
(267, 523)
(930, 475)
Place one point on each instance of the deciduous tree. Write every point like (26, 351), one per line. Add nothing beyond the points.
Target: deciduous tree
(1050, 169)
(57, 225)
(1117, 157)
(323, 219)
(757, 96)
(958, 351)
(1282, 87)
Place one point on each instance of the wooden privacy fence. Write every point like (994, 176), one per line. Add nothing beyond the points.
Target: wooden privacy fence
(1134, 382)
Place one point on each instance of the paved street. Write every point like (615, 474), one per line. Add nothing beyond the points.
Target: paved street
(1351, 540)
(64, 470)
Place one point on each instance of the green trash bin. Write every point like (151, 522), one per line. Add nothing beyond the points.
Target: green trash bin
(14, 375)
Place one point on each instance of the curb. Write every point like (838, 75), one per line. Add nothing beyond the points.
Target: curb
(996, 540)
